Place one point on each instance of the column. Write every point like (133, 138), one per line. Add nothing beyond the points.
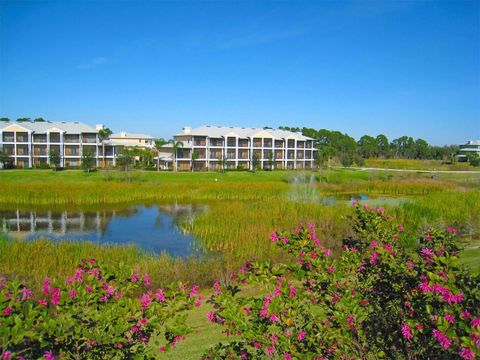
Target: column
(295, 154)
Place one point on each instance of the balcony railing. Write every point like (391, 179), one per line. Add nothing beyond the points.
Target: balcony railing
(40, 152)
(21, 151)
(8, 139)
(22, 138)
(200, 143)
(89, 140)
(39, 140)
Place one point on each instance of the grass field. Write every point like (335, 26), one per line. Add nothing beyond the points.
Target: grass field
(244, 207)
(412, 164)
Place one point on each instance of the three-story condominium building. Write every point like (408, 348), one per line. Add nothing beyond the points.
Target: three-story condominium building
(213, 147)
(30, 144)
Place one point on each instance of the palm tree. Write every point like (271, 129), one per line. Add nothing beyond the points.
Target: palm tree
(104, 134)
(176, 145)
(158, 144)
(194, 157)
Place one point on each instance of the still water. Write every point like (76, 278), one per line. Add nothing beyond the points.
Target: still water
(155, 228)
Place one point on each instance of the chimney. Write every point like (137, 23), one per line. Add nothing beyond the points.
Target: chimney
(100, 127)
(187, 130)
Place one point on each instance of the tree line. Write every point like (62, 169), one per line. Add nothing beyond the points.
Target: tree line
(335, 144)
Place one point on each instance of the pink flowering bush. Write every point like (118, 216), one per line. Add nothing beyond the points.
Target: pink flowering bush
(96, 313)
(385, 295)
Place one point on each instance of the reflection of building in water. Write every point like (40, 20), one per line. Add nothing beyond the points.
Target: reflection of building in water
(182, 215)
(22, 223)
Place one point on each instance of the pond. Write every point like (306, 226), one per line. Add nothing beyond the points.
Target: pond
(155, 228)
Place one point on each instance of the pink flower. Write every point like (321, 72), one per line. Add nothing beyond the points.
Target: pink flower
(194, 291)
(134, 277)
(7, 311)
(274, 237)
(274, 318)
(42, 302)
(256, 345)
(160, 295)
(211, 316)
(467, 354)
(287, 356)
(374, 258)
(419, 327)
(247, 310)
(26, 294)
(72, 293)
(389, 248)
(292, 291)
(104, 298)
(7, 355)
(400, 228)
(451, 230)
(442, 338)
(88, 288)
(56, 296)
(217, 287)
(351, 319)
(406, 332)
(301, 335)
(91, 261)
(162, 349)
(145, 301)
(46, 286)
(147, 280)
(270, 350)
(450, 318)
(198, 301)
(143, 321)
(48, 355)
(285, 240)
(476, 322)
(465, 315)
(328, 252)
(427, 253)
(331, 269)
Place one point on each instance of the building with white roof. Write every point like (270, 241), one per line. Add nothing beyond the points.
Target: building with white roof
(214, 147)
(471, 147)
(29, 144)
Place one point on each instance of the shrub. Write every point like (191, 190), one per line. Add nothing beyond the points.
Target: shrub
(378, 298)
(97, 313)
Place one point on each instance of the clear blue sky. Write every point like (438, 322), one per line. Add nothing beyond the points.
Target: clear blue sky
(398, 68)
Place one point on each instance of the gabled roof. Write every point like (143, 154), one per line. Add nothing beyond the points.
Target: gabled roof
(125, 135)
(243, 132)
(69, 127)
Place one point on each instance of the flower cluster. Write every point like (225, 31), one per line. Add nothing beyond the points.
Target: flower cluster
(377, 296)
(95, 313)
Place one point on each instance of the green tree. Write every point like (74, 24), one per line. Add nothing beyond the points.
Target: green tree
(158, 145)
(125, 159)
(223, 163)
(271, 161)
(255, 162)
(88, 160)
(103, 135)
(176, 145)
(383, 146)
(193, 158)
(40, 119)
(24, 120)
(5, 159)
(367, 147)
(54, 157)
(422, 149)
(5, 119)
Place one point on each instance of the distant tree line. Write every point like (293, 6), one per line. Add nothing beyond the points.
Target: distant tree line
(335, 144)
(24, 119)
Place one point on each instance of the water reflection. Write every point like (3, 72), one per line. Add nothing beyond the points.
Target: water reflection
(154, 228)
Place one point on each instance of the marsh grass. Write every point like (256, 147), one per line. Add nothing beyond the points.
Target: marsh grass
(244, 209)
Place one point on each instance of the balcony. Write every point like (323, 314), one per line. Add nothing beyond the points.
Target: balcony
(215, 142)
(8, 139)
(200, 143)
(278, 144)
(39, 138)
(21, 151)
(69, 139)
(23, 139)
(267, 143)
(40, 152)
(89, 140)
(243, 143)
(54, 138)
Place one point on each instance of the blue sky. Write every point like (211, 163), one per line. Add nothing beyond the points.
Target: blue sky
(361, 67)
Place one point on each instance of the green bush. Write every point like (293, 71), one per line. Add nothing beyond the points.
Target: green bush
(378, 299)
